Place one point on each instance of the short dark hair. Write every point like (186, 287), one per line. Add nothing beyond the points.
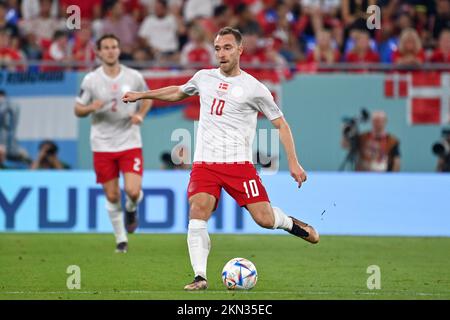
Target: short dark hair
(109, 4)
(220, 10)
(53, 148)
(163, 3)
(229, 30)
(59, 34)
(106, 36)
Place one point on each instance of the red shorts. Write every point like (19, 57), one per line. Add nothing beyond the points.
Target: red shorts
(107, 165)
(241, 181)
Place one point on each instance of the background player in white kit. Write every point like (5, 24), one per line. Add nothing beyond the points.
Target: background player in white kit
(115, 134)
(230, 100)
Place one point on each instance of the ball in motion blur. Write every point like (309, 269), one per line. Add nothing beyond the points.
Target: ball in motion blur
(239, 274)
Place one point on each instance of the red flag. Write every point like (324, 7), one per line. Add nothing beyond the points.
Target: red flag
(426, 110)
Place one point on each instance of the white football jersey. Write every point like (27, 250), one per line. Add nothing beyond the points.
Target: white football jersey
(229, 108)
(111, 129)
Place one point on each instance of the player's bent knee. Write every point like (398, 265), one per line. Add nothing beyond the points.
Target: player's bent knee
(133, 193)
(198, 211)
(113, 197)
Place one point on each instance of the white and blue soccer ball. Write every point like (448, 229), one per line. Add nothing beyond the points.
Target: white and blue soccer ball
(239, 274)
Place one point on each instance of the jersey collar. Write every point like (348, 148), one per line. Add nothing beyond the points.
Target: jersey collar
(102, 71)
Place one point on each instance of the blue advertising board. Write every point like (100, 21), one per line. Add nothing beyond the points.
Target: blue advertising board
(335, 203)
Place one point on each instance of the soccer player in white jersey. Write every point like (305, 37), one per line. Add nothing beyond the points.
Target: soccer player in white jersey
(115, 134)
(230, 100)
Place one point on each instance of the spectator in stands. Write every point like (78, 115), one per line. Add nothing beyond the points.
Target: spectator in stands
(376, 150)
(30, 8)
(59, 51)
(122, 25)
(149, 5)
(409, 53)
(321, 14)
(222, 17)
(362, 52)
(284, 39)
(4, 23)
(14, 15)
(40, 30)
(388, 36)
(442, 19)
(17, 44)
(260, 60)
(141, 57)
(136, 9)
(3, 157)
(48, 157)
(267, 18)
(10, 58)
(386, 39)
(9, 118)
(159, 32)
(194, 9)
(245, 20)
(354, 16)
(323, 51)
(422, 10)
(197, 51)
(90, 9)
(354, 13)
(442, 53)
(83, 46)
(441, 150)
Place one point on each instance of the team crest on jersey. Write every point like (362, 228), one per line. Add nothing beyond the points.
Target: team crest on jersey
(223, 87)
(114, 87)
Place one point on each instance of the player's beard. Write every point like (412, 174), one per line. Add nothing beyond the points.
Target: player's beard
(111, 63)
(229, 67)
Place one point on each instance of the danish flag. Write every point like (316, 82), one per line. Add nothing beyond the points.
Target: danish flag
(223, 86)
(427, 95)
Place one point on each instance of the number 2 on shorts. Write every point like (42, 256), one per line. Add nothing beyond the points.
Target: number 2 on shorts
(252, 187)
(137, 164)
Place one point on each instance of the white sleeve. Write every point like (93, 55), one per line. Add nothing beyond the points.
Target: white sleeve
(192, 86)
(265, 103)
(85, 95)
(143, 30)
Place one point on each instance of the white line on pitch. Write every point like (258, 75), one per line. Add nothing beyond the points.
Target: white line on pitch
(74, 292)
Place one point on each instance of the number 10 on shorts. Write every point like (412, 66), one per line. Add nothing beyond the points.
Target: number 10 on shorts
(252, 187)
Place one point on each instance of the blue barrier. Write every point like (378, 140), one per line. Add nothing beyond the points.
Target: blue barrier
(335, 203)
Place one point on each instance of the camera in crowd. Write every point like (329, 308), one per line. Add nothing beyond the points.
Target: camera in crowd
(51, 147)
(442, 147)
(351, 126)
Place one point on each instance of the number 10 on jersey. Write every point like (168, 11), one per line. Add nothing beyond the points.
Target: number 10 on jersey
(217, 106)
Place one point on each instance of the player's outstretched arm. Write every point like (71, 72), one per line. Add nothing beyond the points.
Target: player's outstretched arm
(171, 94)
(85, 110)
(297, 172)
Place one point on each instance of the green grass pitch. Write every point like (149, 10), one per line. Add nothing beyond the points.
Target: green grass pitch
(33, 266)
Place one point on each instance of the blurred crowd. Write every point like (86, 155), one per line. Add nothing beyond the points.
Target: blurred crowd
(180, 32)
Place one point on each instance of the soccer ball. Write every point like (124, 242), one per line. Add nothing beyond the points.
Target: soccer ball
(239, 274)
